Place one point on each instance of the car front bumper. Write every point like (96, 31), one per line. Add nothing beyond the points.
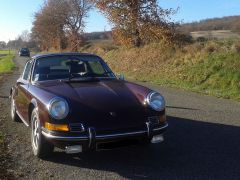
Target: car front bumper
(91, 140)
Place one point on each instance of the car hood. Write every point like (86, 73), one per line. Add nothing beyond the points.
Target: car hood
(102, 95)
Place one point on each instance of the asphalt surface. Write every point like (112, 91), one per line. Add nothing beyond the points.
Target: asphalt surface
(202, 142)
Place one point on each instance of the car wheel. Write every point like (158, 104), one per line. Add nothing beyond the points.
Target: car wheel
(14, 115)
(41, 147)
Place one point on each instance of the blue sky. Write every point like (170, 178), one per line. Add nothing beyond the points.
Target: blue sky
(17, 15)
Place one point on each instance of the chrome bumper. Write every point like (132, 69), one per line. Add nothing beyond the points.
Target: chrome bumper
(92, 137)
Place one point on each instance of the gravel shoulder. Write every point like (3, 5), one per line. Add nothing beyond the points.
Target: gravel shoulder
(203, 142)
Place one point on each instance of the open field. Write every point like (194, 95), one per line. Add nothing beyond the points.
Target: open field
(219, 34)
(7, 52)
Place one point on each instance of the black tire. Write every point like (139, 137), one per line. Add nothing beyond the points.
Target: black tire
(40, 146)
(14, 115)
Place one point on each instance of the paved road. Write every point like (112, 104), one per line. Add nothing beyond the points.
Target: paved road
(203, 142)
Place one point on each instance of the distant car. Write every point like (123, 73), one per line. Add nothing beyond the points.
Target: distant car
(24, 52)
(75, 102)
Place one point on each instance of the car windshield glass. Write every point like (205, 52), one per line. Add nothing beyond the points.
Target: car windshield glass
(63, 67)
(24, 49)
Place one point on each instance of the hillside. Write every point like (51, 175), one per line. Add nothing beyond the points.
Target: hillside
(225, 23)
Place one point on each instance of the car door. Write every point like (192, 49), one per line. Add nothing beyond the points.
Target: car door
(22, 95)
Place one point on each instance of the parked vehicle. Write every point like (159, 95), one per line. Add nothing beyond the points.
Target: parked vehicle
(24, 52)
(75, 102)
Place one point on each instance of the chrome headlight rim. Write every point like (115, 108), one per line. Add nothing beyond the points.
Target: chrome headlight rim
(148, 100)
(54, 100)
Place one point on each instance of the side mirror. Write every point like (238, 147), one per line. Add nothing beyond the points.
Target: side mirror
(121, 77)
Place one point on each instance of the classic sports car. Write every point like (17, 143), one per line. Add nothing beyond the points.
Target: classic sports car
(75, 102)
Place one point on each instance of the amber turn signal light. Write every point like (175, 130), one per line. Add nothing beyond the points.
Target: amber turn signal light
(56, 127)
(162, 118)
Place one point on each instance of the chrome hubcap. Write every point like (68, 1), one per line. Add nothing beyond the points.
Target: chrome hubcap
(35, 132)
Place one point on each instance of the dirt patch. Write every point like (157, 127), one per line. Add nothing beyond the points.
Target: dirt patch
(5, 159)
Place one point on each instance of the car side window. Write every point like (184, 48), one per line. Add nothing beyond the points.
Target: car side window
(27, 71)
(96, 67)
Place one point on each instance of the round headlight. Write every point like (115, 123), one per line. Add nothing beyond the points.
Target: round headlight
(156, 101)
(58, 108)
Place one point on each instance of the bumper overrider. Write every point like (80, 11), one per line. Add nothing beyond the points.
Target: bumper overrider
(90, 140)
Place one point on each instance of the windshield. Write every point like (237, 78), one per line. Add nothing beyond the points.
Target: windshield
(24, 49)
(63, 67)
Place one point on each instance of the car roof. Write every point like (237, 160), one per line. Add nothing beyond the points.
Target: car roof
(63, 54)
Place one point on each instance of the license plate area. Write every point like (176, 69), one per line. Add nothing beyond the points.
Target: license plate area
(116, 144)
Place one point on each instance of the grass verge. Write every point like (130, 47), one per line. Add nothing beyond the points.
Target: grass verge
(6, 64)
(210, 67)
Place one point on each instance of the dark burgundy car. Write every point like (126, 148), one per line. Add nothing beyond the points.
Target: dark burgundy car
(75, 102)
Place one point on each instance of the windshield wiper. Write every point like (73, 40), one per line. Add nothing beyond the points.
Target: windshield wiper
(79, 78)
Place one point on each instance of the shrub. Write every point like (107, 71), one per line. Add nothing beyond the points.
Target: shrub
(210, 48)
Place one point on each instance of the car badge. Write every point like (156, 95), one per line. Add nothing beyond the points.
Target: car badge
(113, 114)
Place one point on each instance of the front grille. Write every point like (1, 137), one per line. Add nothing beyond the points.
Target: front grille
(76, 127)
(116, 130)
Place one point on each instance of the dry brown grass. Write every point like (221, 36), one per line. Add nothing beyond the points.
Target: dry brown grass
(218, 34)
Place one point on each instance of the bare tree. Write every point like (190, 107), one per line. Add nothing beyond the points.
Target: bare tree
(60, 23)
(75, 21)
(25, 36)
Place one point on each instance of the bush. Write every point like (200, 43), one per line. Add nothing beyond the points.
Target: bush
(211, 47)
(201, 39)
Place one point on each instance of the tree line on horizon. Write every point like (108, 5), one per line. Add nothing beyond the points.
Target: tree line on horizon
(224, 23)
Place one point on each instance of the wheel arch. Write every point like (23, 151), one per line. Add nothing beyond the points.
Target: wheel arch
(32, 105)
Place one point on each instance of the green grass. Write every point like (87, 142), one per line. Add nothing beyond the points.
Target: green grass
(211, 68)
(6, 52)
(6, 64)
(218, 74)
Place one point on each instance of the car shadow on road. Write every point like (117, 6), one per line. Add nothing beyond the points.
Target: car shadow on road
(192, 150)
